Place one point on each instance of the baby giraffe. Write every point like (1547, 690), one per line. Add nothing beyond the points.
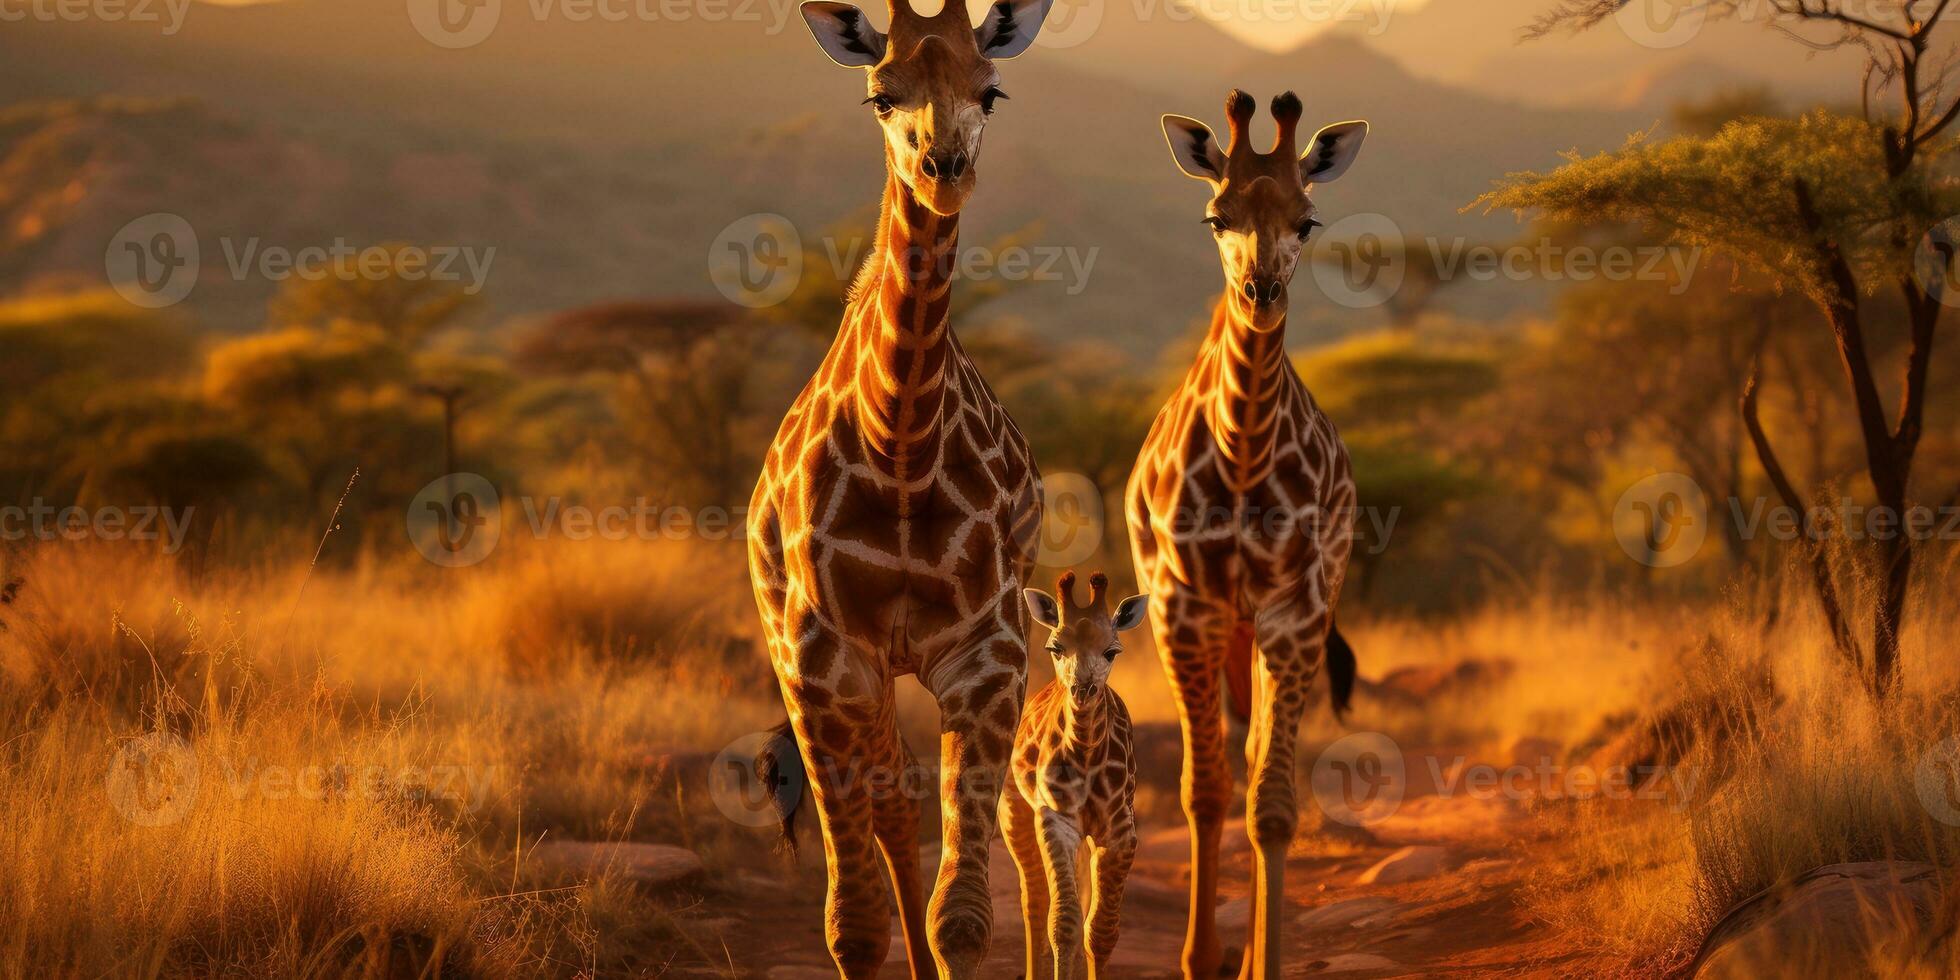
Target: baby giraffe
(1074, 779)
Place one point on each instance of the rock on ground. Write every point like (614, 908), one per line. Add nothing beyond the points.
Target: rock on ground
(1827, 920)
(1352, 962)
(657, 866)
(1418, 685)
(1338, 914)
(1408, 864)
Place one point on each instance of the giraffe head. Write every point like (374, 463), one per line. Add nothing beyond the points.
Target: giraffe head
(1260, 211)
(1084, 641)
(931, 82)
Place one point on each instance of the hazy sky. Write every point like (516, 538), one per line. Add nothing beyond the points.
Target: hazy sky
(1273, 24)
(1280, 24)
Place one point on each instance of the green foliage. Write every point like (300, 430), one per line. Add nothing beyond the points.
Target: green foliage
(301, 366)
(95, 337)
(1737, 192)
(1397, 380)
(401, 299)
(698, 387)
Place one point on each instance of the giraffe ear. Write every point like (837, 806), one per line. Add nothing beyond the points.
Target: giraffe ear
(1333, 149)
(1129, 613)
(844, 34)
(1010, 26)
(1194, 148)
(1043, 607)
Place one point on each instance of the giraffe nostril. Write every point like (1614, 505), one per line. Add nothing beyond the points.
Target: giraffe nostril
(930, 166)
(959, 164)
(1250, 290)
(1274, 291)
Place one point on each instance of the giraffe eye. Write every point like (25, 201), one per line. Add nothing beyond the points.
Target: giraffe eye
(987, 100)
(1307, 227)
(1055, 648)
(1216, 222)
(1110, 654)
(879, 104)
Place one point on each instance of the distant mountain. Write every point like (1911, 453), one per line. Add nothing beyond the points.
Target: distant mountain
(602, 159)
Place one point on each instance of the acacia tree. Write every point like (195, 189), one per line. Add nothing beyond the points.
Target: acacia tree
(688, 383)
(1832, 205)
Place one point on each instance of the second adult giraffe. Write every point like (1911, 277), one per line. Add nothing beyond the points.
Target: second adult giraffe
(1240, 511)
(894, 525)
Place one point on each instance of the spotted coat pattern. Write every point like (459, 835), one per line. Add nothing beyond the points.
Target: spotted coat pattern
(1241, 510)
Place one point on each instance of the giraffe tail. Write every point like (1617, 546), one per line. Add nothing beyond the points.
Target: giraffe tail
(1238, 673)
(1340, 671)
(779, 764)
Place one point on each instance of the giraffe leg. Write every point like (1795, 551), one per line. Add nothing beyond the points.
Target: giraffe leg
(1112, 869)
(843, 722)
(895, 820)
(980, 692)
(1061, 837)
(1192, 639)
(1017, 824)
(1290, 641)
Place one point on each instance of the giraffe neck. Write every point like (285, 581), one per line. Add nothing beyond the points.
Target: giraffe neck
(1084, 725)
(903, 338)
(1247, 388)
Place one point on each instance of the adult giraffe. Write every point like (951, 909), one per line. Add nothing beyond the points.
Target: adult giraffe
(894, 525)
(1241, 509)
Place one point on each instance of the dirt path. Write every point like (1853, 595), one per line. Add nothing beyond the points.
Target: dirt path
(1456, 913)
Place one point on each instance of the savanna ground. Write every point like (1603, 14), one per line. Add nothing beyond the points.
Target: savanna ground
(383, 749)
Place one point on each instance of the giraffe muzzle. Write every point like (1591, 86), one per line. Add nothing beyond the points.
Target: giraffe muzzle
(1263, 292)
(947, 167)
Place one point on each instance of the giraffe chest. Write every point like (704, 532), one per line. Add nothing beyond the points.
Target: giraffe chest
(908, 555)
(1253, 530)
(1094, 782)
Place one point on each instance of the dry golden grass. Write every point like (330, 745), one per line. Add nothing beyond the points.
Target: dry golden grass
(371, 746)
(1819, 776)
(379, 747)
